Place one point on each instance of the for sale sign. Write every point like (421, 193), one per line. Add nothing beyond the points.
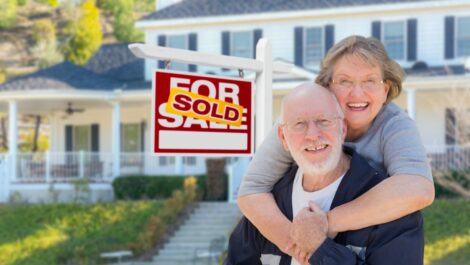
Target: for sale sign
(202, 114)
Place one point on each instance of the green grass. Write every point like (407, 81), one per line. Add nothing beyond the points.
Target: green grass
(69, 233)
(447, 232)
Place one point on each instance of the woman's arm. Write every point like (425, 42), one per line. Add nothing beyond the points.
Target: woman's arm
(391, 199)
(262, 211)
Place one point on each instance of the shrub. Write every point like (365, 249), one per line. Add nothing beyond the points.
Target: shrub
(137, 187)
(7, 14)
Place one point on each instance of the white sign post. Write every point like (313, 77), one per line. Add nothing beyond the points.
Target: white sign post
(262, 65)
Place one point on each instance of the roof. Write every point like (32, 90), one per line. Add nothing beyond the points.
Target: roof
(207, 8)
(116, 61)
(63, 76)
(421, 69)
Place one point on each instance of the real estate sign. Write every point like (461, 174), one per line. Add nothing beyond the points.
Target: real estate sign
(201, 114)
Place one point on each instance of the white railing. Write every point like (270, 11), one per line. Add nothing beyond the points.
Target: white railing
(4, 177)
(63, 166)
(449, 158)
(97, 167)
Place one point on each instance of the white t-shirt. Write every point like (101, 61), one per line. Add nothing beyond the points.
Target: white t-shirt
(300, 198)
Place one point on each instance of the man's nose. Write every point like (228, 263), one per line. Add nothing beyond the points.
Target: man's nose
(312, 132)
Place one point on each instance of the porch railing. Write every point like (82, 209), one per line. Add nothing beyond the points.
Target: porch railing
(96, 166)
(449, 158)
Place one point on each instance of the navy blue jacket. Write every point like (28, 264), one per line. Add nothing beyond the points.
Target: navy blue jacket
(400, 242)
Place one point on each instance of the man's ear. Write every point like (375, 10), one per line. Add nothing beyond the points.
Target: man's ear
(282, 137)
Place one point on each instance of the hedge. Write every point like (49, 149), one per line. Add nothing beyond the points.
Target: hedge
(155, 187)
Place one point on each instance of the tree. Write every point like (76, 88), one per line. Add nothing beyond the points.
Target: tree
(123, 24)
(45, 49)
(85, 34)
(7, 13)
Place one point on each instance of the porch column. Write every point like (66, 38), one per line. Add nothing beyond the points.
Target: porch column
(12, 139)
(179, 165)
(411, 102)
(116, 138)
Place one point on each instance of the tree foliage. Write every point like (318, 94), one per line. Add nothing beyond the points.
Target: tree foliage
(7, 13)
(85, 34)
(123, 13)
(45, 49)
(53, 3)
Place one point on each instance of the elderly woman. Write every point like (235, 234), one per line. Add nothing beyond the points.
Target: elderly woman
(364, 80)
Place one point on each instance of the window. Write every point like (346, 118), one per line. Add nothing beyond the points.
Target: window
(179, 42)
(82, 138)
(189, 160)
(463, 36)
(242, 44)
(394, 39)
(130, 138)
(313, 47)
(166, 160)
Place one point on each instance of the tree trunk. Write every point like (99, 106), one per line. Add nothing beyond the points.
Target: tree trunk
(215, 180)
(36, 133)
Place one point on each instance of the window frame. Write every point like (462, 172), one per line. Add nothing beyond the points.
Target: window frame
(123, 137)
(405, 38)
(456, 40)
(184, 66)
(305, 46)
(250, 42)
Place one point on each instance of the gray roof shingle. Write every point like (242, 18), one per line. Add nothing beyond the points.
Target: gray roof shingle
(63, 76)
(206, 8)
(116, 61)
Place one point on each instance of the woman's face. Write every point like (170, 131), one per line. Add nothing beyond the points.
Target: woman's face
(361, 92)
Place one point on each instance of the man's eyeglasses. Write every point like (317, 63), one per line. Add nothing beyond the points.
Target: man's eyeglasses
(301, 125)
(369, 84)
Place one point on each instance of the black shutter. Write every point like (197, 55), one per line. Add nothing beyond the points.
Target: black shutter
(299, 46)
(161, 42)
(376, 30)
(329, 37)
(226, 43)
(68, 138)
(450, 126)
(257, 34)
(142, 136)
(412, 39)
(192, 47)
(95, 137)
(449, 37)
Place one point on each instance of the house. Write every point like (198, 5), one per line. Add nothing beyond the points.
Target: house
(429, 38)
(98, 118)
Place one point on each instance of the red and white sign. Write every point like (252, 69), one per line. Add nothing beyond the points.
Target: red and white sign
(202, 114)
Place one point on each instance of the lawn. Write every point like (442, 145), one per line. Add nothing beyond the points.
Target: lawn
(70, 233)
(77, 233)
(447, 232)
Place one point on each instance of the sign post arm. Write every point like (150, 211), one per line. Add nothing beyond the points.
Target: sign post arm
(263, 96)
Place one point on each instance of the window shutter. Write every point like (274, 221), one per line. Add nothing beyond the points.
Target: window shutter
(68, 138)
(161, 42)
(298, 46)
(95, 137)
(412, 39)
(142, 135)
(376, 30)
(449, 37)
(225, 45)
(450, 126)
(257, 34)
(192, 47)
(329, 37)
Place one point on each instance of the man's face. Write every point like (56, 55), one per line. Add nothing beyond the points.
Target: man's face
(313, 131)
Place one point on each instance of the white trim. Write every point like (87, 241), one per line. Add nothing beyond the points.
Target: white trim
(329, 13)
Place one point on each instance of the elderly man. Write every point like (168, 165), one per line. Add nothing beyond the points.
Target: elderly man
(313, 130)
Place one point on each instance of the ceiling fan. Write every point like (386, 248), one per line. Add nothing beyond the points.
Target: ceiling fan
(71, 110)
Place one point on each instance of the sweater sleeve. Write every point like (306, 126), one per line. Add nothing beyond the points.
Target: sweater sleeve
(403, 149)
(268, 165)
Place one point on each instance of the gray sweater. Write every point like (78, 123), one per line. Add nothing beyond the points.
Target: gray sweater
(392, 145)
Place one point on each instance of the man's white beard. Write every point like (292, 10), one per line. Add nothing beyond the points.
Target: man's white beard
(319, 168)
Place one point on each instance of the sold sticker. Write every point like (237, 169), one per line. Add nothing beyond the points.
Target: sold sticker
(182, 102)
